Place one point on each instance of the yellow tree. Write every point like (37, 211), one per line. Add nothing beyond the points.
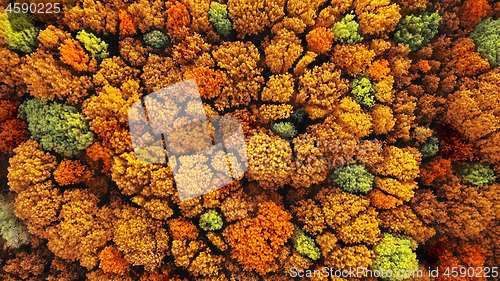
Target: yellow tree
(147, 15)
(108, 115)
(245, 81)
(142, 240)
(30, 165)
(252, 17)
(304, 10)
(94, 15)
(320, 89)
(39, 206)
(347, 122)
(283, 50)
(83, 229)
(353, 59)
(46, 79)
(401, 167)
(377, 17)
(269, 160)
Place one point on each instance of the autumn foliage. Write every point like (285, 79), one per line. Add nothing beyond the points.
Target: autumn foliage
(472, 12)
(455, 253)
(319, 40)
(268, 231)
(437, 170)
(127, 26)
(71, 172)
(371, 138)
(111, 261)
(73, 54)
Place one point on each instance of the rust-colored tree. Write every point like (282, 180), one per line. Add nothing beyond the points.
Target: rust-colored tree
(256, 242)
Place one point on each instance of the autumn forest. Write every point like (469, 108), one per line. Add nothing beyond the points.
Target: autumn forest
(371, 140)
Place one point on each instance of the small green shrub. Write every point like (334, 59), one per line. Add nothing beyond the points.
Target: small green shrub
(430, 147)
(285, 130)
(486, 36)
(156, 39)
(363, 92)
(346, 30)
(395, 253)
(18, 31)
(477, 173)
(97, 48)
(417, 31)
(353, 178)
(218, 17)
(60, 128)
(305, 245)
(210, 221)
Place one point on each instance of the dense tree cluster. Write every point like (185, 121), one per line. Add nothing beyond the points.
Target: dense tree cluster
(371, 138)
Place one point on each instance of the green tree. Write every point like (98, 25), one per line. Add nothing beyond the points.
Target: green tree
(430, 147)
(477, 173)
(210, 221)
(363, 92)
(97, 48)
(346, 30)
(285, 130)
(18, 31)
(218, 17)
(12, 228)
(417, 31)
(156, 39)
(486, 36)
(353, 178)
(395, 253)
(57, 127)
(305, 245)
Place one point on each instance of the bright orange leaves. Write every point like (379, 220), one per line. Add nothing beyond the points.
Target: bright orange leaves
(472, 12)
(71, 172)
(177, 17)
(320, 40)
(380, 200)
(127, 27)
(378, 69)
(209, 81)
(111, 261)
(73, 54)
(256, 242)
(182, 229)
(423, 65)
